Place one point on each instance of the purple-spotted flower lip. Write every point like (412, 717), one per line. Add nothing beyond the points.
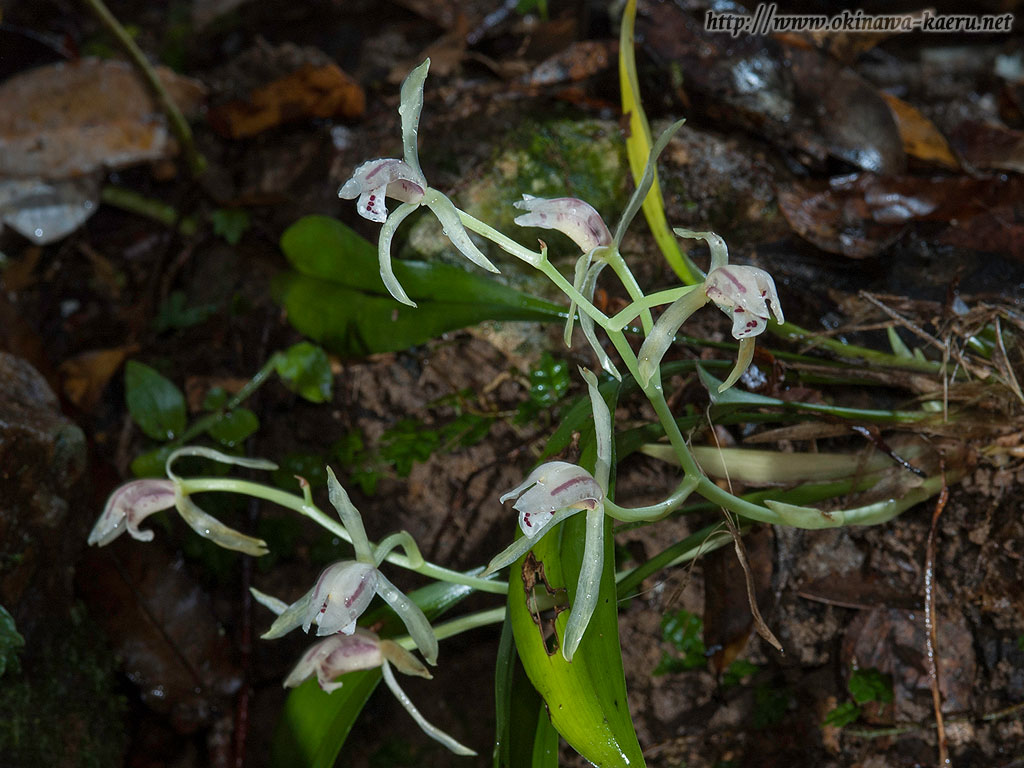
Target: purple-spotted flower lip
(385, 177)
(342, 593)
(747, 294)
(550, 487)
(337, 655)
(569, 215)
(128, 506)
(334, 656)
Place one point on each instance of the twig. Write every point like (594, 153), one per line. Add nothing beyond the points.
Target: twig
(931, 638)
(178, 125)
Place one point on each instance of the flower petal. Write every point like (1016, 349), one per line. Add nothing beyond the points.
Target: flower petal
(288, 619)
(336, 655)
(404, 661)
(432, 731)
(743, 358)
(550, 487)
(414, 619)
(588, 586)
(350, 518)
(409, 108)
(376, 179)
(664, 331)
(211, 528)
(340, 596)
(570, 216)
(387, 232)
(719, 250)
(602, 429)
(128, 506)
(452, 226)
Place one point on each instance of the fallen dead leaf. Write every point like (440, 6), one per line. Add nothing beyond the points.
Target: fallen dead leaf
(921, 139)
(310, 91)
(990, 146)
(69, 119)
(86, 375)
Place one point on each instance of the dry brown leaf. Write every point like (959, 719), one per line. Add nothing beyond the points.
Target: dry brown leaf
(68, 119)
(310, 91)
(86, 375)
(921, 139)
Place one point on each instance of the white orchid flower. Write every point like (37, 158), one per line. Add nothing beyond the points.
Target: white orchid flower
(344, 590)
(134, 501)
(339, 654)
(128, 506)
(403, 180)
(587, 229)
(556, 491)
(746, 294)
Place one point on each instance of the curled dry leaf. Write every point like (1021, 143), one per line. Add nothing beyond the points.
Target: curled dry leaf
(921, 139)
(310, 91)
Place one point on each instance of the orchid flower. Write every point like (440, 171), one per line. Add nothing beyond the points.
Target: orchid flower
(584, 225)
(344, 590)
(134, 501)
(339, 654)
(746, 294)
(403, 180)
(554, 492)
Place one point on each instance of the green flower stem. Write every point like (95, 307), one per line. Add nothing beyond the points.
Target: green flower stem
(298, 504)
(178, 125)
(460, 625)
(625, 275)
(131, 201)
(654, 511)
(645, 303)
(504, 242)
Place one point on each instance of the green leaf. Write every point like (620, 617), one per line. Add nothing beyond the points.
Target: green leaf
(738, 670)
(587, 697)
(174, 313)
(230, 223)
(151, 463)
(156, 405)
(549, 381)
(844, 714)
(216, 398)
(870, 685)
(234, 427)
(306, 371)
(407, 442)
(684, 631)
(638, 148)
(337, 298)
(314, 725)
(524, 735)
(11, 642)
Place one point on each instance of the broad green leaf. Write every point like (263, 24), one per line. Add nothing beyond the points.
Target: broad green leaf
(587, 697)
(234, 427)
(306, 371)
(524, 735)
(11, 642)
(337, 298)
(314, 725)
(152, 463)
(638, 148)
(156, 404)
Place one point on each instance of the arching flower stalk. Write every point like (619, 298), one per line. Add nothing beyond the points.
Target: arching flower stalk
(554, 492)
(746, 294)
(134, 501)
(337, 655)
(344, 589)
(403, 180)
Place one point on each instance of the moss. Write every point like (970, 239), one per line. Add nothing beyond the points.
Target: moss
(556, 158)
(63, 708)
